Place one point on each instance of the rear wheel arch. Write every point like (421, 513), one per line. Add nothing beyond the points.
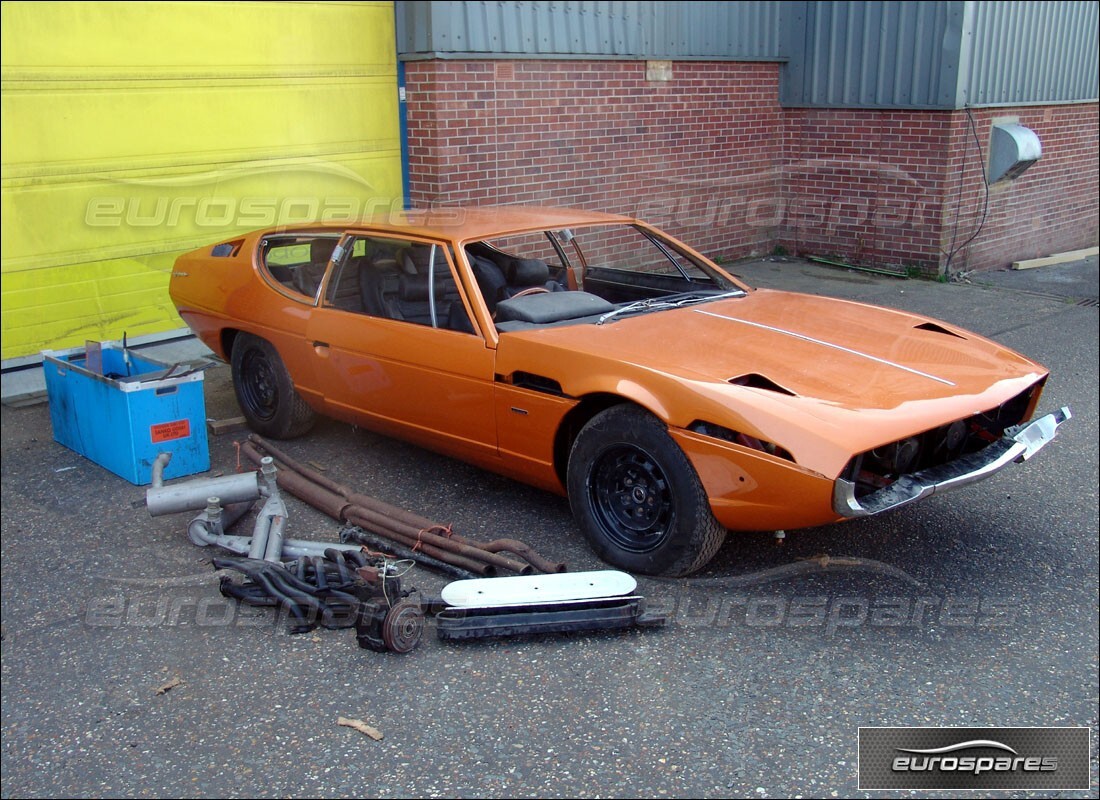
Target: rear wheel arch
(227, 337)
(265, 390)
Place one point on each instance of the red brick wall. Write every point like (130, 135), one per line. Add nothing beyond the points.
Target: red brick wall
(1051, 208)
(865, 186)
(905, 188)
(698, 155)
(712, 157)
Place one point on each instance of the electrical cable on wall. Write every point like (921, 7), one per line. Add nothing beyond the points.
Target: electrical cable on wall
(953, 251)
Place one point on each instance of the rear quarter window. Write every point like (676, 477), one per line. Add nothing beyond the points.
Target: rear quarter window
(298, 261)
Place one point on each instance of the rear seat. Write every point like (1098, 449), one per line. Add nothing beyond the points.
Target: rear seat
(524, 274)
(308, 277)
(400, 291)
(378, 278)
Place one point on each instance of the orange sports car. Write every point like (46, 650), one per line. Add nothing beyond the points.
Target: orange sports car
(595, 356)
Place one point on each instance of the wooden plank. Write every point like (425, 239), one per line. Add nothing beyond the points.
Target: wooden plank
(1057, 258)
(231, 425)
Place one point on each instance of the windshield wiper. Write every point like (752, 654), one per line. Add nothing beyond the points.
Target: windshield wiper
(658, 303)
(706, 298)
(637, 305)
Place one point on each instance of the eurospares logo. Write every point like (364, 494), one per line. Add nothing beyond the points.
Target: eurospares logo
(974, 758)
(949, 759)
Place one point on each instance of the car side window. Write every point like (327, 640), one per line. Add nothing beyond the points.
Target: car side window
(298, 261)
(402, 280)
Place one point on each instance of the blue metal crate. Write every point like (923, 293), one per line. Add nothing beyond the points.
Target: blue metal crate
(123, 412)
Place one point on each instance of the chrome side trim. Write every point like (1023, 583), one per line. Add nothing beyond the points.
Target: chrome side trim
(1018, 444)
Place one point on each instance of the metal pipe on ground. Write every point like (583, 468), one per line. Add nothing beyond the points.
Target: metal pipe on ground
(200, 534)
(323, 499)
(297, 466)
(257, 544)
(275, 538)
(312, 475)
(414, 536)
(191, 495)
(537, 561)
(392, 549)
(481, 568)
(266, 536)
(157, 473)
(302, 486)
(514, 546)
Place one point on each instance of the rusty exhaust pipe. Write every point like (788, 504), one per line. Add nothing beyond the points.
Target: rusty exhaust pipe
(324, 489)
(422, 536)
(478, 567)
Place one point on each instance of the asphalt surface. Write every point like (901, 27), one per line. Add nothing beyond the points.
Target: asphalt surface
(977, 608)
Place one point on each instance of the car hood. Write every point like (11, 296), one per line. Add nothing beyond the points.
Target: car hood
(823, 378)
(839, 352)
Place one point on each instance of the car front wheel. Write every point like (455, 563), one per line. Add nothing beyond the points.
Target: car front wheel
(637, 497)
(265, 392)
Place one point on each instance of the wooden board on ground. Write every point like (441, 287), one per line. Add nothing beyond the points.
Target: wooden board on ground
(1057, 258)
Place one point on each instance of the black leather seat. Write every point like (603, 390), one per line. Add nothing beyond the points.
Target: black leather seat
(308, 276)
(524, 274)
(489, 276)
(403, 294)
(378, 278)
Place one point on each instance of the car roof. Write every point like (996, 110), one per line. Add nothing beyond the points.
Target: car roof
(465, 223)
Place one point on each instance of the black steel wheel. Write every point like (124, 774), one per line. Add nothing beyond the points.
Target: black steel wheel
(631, 498)
(265, 391)
(637, 497)
(403, 626)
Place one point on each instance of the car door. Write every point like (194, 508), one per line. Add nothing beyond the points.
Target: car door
(291, 265)
(396, 350)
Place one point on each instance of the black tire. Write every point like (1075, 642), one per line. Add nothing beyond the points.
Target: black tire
(265, 392)
(637, 497)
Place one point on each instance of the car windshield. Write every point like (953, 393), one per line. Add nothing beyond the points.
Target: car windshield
(592, 274)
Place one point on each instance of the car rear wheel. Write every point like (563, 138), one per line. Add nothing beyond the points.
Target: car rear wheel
(637, 497)
(265, 392)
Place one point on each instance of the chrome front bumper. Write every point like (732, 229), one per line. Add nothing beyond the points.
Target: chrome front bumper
(1018, 444)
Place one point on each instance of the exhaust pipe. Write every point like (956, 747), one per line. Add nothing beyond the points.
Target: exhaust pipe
(192, 495)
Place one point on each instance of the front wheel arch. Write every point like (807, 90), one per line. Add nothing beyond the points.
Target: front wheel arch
(572, 423)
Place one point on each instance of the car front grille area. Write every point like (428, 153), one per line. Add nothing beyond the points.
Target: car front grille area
(882, 466)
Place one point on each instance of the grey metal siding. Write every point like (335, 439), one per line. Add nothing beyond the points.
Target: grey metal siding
(589, 29)
(937, 54)
(872, 54)
(1030, 52)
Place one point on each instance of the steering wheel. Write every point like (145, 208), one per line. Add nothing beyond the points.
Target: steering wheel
(530, 290)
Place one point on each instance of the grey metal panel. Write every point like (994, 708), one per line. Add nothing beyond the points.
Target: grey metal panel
(1032, 52)
(872, 54)
(849, 53)
(594, 28)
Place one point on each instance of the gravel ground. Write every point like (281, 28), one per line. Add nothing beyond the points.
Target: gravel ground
(972, 609)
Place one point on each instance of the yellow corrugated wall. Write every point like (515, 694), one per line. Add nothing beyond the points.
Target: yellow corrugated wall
(135, 131)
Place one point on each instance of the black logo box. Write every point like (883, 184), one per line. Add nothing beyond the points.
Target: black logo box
(1039, 758)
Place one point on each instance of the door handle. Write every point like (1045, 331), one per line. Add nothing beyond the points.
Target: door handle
(321, 349)
(320, 344)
